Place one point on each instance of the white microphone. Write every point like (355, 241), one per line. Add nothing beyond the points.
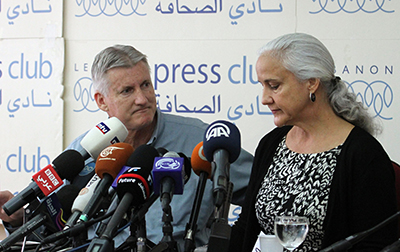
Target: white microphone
(104, 134)
(82, 200)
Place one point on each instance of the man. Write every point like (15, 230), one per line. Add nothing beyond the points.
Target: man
(123, 89)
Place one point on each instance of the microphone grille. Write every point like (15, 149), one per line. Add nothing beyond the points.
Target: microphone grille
(112, 159)
(199, 161)
(222, 135)
(67, 195)
(68, 164)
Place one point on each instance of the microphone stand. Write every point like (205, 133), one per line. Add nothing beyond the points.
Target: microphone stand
(167, 243)
(344, 245)
(79, 240)
(392, 247)
(191, 227)
(141, 236)
(105, 243)
(221, 230)
(138, 228)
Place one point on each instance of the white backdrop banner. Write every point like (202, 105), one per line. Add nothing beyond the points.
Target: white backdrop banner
(31, 108)
(31, 18)
(202, 55)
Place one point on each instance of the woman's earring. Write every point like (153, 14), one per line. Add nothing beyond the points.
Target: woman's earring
(312, 97)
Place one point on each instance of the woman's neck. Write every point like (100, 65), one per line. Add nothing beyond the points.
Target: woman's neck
(322, 133)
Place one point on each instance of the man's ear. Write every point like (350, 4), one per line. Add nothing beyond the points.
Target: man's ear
(101, 102)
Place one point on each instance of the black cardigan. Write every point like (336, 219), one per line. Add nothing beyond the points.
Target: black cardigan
(362, 193)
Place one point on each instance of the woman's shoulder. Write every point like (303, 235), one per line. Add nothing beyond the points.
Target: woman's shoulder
(359, 138)
(363, 145)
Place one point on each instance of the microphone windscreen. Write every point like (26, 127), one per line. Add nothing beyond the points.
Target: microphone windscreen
(67, 195)
(187, 167)
(143, 157)
(199, 161)
(146, 152)
(68, 164)
(112, 159)
(162, 151)
(222, 135)
(135, 184)
(137, 180)
(168, 166)
(63, 198)
(105, 133)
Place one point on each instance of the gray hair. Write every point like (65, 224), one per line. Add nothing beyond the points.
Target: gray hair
(113, 57)
(307, 58)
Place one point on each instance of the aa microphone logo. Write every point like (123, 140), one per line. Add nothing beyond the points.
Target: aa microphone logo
(218, 130)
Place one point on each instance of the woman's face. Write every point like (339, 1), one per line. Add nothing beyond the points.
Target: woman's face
(284, 95)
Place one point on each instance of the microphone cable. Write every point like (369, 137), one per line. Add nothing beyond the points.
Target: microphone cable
(79, 228)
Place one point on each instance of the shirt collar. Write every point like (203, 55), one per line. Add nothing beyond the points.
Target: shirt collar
(157, 130)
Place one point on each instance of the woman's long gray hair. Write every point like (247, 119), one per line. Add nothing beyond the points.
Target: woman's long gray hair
(306, 57)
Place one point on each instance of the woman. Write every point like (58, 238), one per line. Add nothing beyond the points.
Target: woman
(321, 161)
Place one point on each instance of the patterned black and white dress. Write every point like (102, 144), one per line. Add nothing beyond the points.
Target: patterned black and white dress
(297, 184)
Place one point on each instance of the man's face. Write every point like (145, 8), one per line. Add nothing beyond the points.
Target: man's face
(130, 97)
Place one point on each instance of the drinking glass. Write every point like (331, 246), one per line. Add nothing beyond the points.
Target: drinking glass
(291, 230)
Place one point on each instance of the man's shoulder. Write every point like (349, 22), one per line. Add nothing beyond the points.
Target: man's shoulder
(184, 121)
(76, 143)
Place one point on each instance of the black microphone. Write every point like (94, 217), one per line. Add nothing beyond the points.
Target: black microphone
(145, 152)
(133, 190)
(187, 167)
(109, 163)
(344, 245)
(394, 247)
(221, 145)
(202, 168)
(104, 134)
(134, 187)
(162, 151)
(52, 213)
(111, 208)
(66, 166)
(137, 181)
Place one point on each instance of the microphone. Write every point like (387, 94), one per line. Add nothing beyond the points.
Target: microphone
(394, 247)
(200, 165)
(141, 158)
(134, 188)
(168, 175)
(66, 166)
(162, 151)
(187, 167)
(111, 208)
(221, 145)
(80, 202)
(104, 134)
(108, 164)
(146, 152)
(51, 213)
(344, 245)
(202, 168)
